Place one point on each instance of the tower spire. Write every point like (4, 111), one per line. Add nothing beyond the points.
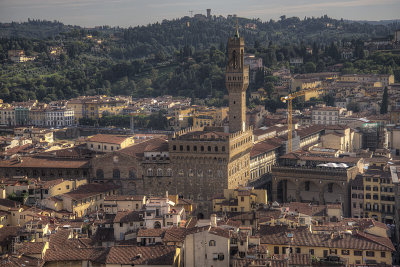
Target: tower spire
(237, 29)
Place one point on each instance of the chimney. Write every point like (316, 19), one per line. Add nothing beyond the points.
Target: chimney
(213, 220)
(166, 194)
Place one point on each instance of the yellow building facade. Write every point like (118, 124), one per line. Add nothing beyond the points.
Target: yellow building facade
(97, 106)
(240, 200)
(379, 198)
(349, 247)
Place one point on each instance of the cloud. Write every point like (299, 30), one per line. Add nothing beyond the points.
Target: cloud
(279, 8)
(164, 5)
(60, 3)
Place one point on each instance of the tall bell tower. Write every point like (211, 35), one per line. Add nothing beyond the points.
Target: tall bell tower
(236, 81)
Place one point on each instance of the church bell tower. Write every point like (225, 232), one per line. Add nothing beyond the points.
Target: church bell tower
(236, 81)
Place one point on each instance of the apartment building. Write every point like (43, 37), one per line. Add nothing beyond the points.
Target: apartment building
(372, 196)
(240, 200)
(59, 117)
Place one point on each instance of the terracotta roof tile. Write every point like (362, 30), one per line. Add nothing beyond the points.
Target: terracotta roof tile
(137, 150)
(20, 260)
(303, 237)
(88, 190)
(151, 232)
(124, 198)
(108, 138)
(134, 255)
(219, 232)
(29, 248)
(37, 162)
(75, 254)
(263, 147)
(128, 216)
(174, 234)
(7, 233)
(9, 203)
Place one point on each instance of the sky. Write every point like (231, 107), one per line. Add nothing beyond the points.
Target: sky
(125, 13)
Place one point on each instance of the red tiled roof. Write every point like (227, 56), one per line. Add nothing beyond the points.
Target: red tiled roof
(124, 198)
(108, 138)
(20, 260)
(219, 232)
(128, 216)
(312, 129)
(151, 232)
(29, 248)
(88, 190)
(51, 183)
(36, 162)
(303, 237)
(262, 147)
(137, 150)
(134, 255)
(7, 232)
(174, 234)
(75, 254)
(8, 203)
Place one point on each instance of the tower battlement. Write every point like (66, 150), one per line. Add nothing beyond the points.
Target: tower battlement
(186, 131)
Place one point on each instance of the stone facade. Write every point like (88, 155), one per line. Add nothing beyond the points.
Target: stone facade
(315, 185)
(195, 163)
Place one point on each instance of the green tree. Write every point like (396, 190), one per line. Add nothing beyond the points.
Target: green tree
(384, 105)
(310, 67)
(353, 106)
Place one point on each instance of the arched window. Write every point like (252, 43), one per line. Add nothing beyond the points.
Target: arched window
(223, 148)
(116, 174)
(181, 172)
(159, 172)
(200, 173)
(210, 173)
(174, 147)
(150, 172)
(100, 174)
(187, 148)
(212, 243)
(132, 174)
(191, 172)
(169, 172)
(216, 149)
(209, 148)
(157, 225)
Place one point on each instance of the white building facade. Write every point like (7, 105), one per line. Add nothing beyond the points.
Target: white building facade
(59, 117)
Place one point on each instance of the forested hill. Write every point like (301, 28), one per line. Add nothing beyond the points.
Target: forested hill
(201, 33)
(180, 57)
(38, 29)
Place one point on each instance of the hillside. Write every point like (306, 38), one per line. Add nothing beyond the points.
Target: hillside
(180, 57)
